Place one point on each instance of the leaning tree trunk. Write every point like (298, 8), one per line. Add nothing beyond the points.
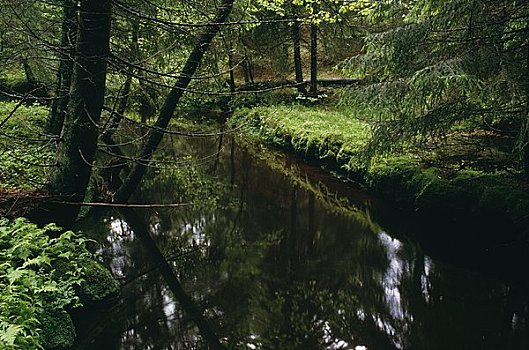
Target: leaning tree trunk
(64, 75)
(138, 170)
(78, 143)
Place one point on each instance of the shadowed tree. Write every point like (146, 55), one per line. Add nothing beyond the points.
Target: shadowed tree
(78, 144)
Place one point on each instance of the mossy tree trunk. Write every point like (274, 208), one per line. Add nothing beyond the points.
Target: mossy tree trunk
(65, 72)
(138, 170)
(30, 77)
(78, 143)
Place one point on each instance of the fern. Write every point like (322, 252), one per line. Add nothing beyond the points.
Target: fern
(36, 274)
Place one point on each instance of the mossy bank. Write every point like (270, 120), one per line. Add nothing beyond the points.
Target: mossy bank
(455, 194)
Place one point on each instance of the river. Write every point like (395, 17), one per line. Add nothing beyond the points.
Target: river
(275, 254)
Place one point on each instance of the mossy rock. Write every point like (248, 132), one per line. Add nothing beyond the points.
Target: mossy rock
(99, 284)
(58, 331)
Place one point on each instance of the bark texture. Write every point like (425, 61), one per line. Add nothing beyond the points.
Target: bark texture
(296, 41)
(78, 143)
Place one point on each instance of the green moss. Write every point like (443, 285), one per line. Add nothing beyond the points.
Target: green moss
(323, 133)
(99, 285)
(57, 329)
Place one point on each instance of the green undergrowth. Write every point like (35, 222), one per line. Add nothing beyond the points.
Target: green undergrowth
(44, 273)
(331, 137)
(25, 153)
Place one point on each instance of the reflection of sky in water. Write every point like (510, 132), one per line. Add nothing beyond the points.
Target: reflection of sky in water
(169, 305)
(196, 232)
(332, 343)
(393, 275)
(120, 234)
(426, 286)
(397, 270)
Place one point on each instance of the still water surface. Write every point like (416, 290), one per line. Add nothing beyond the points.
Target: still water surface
(275, 254)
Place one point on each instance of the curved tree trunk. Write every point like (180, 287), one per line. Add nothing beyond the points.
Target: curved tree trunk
(78, 143)
(138, 170)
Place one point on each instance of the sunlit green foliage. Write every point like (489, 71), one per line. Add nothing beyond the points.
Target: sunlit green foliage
(330, 11)
(323, 133)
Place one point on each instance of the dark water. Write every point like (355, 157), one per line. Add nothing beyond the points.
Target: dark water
(278, 255)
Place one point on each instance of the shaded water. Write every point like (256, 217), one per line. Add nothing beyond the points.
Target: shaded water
(278, 255)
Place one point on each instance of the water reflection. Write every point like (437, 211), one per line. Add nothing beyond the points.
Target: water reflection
(278, 255)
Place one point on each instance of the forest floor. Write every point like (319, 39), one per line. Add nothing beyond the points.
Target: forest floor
(26, 156)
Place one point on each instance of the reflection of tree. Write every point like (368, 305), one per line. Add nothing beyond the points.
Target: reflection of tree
(301, 276)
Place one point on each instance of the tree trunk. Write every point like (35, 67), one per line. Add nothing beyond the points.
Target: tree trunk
(231, 64)
(296, 37)
(147, 105)
(138, 170)
(525, 137)
(64, 75)
(30, 77)
(247, 69)
(116, 116)
(314, 57)
(78, 143)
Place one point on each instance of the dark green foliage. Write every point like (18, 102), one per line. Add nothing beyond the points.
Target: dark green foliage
(58, 331)
(23, 148)
(441, 64)
(98, 284)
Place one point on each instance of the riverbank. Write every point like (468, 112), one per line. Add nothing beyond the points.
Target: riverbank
(455, 182)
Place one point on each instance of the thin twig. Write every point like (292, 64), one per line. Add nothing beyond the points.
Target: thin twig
(122, 205)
